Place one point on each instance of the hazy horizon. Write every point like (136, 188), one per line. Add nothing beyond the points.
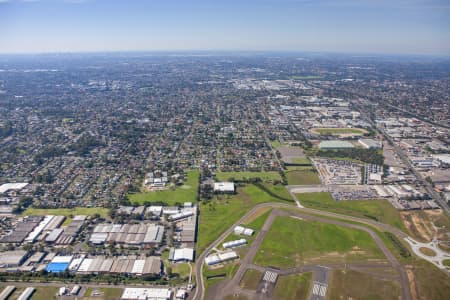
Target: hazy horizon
(408, 27)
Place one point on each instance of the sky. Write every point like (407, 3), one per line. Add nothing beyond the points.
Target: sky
(349, 26)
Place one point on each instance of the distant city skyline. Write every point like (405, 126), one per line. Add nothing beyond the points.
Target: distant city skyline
(348, 26)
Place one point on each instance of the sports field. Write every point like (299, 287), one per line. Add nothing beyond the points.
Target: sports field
(339, 131)
(293, 242)
(185, 193)
(379, 210)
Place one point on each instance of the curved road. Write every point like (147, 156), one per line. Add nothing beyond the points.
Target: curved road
(199, 290)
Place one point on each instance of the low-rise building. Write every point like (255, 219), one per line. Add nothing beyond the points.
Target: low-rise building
(224, 187)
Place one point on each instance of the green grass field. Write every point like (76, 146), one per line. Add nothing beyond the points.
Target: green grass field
(337, 131)
(379, 210)
(302, 176)
(89, 211)
(292, 242)
(293, 287)
(264, 176)
(45, 293)
(224, 211)
(256, 224)
(185, 193)
(275, 144)
(273, 192)
(251, 279)
(182, 269)
(302, 161)
(350, 284)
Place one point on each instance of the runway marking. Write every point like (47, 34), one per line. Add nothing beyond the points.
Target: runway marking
(270, 276)
(319, 289)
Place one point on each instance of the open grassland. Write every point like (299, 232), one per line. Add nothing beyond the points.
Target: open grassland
(379, 210)
(45, 293)
(68, 212)
(432, 283)
(251, 279)
(351, 284)
(293, 242)
(219, 214)
(182, 269)
(293, 287)
(275, 143)
(256, 224)
(268, 192)
(185, 193)
(339, 131)
(302, 176)
(233, 176)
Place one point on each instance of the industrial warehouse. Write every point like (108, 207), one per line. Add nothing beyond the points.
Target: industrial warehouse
(44, 228)
(135, 234)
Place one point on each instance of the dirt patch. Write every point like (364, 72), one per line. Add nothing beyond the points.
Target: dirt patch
(433, 212)
(412, 284)
(444, 246)
(424, 229)
(245, 198)
(358, 252)
(416, 226)
(289, 154)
